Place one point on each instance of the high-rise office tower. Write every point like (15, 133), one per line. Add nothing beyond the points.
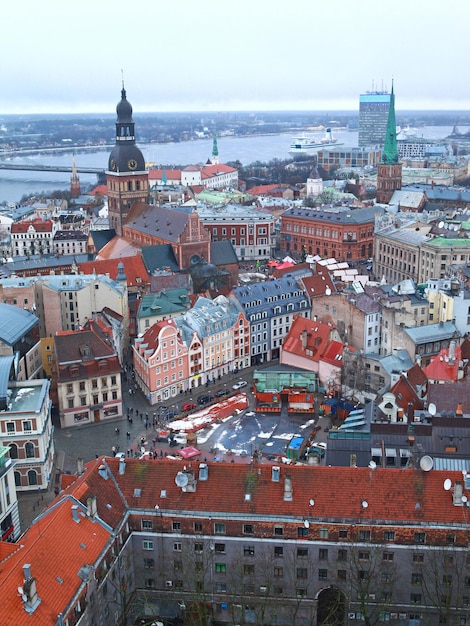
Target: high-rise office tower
(373, 116)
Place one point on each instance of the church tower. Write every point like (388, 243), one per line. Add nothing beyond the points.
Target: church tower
(389, 170)
(74, 181)
(126, 179)
(215, 150)
(314, 181)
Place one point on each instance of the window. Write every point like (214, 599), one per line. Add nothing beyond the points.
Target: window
(278, 572)
(342, 554)
(27, 428)
(447, 580)
(249, 550)
(450, 538)
(418, 557)
(302, 553)
(220, 587)
(29, 449)
(420, 537)
(278, 551)
(364, 535)
(248, 569)
(176, 526)
(199, 547)
(198, 527)
(220, 568)
(147, 524)
(302, 572)
(302, 531)
(177, 547)
(323, 554)
(415, 598)
(363, 575)
(147, 545)
(341, 574)
(388, 557)
(149, 563)
(386, 577)
(219, 548)
(322, 574)
(389, 535)
(248, 529)
(300, 592)
(278, 531)
(416, 578)
(343, 534)
(10, 427)
(364, 555)
(219, 528)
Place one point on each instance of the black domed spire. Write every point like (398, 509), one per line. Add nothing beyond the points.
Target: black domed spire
(125, 156)
(124, 109)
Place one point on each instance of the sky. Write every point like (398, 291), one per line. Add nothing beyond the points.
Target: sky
(182, 55)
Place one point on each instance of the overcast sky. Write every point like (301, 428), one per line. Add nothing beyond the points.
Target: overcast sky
(188, 55)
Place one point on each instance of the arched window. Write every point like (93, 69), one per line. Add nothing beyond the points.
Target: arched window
(29, 448)
(17, 479)
(13, 451)
(32, 477)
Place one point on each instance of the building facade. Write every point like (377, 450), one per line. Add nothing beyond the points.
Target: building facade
(373, 116)
(26, 429)
(345, 233)
(35, 236)
(87, 378)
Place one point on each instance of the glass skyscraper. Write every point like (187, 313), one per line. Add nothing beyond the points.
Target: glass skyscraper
(373, 116)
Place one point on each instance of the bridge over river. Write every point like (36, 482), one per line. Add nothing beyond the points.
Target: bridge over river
(52, 168)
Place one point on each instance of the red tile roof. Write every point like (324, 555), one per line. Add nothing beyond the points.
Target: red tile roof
(171, 175)
(134, 269)
(443, 368)
(57, 547)
(40, 226)
(316, 337)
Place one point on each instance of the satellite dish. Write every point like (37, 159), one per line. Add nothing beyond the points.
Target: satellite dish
(447, 484)
(464, 499)
(327, 291)
(364, 504)
(426, 463)
(372, 465)
(312, 502)
(440, 225)
(306, 523)
(181, 479)
(432, 409)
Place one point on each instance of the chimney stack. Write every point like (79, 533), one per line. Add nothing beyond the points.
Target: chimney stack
(92, 509)
(75, 515)
(288, 489)
(122, 465)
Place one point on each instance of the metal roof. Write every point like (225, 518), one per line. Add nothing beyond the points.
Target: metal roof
(15, 323)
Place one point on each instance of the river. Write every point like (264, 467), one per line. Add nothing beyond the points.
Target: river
(14, 183)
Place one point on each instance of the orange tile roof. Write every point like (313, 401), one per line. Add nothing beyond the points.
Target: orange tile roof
(99, 190)
(170, 174)
(134, 269)
(56, 546)
(40, 226)
(116, 248)
(317, 339)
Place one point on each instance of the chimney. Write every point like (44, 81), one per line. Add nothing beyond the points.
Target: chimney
(303, 339)
(92, 509)
(80, 466)
(122, 465)
(103, 471)
(459, 410)
(452, 352)
(26, 571)
(75, 515)
(288, 489)
(30, 594)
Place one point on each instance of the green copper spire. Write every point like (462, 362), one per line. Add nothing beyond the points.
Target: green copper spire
(215, 150)
(390, 153)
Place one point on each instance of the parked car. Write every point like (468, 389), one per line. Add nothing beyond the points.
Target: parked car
(240, 384)
(222, 392)
(203, 400)
(188, 406)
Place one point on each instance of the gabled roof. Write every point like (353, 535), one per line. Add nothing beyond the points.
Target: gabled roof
(310, 340)
(102, 237)
(15, 323)
(165, 302)
(134, 269)
(444, 367)
(319, 284)
(159, 258)
(223, 253)
(171, 175)
(166, 224)
(116, 248)
(39, 225)
(83, 350)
